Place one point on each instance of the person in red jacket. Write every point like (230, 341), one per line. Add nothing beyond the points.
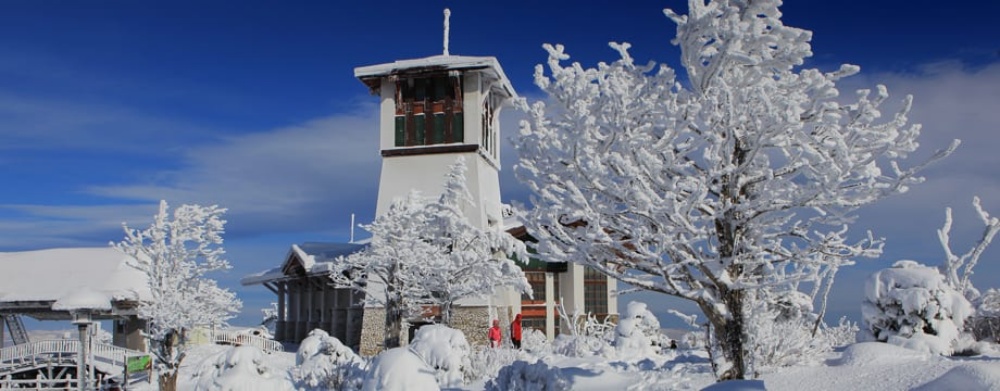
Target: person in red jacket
(494, 334)
(515, 331)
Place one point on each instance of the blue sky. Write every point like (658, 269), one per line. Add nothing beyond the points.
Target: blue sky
(108, 106)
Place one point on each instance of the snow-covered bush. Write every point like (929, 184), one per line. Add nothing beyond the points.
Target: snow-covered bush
(587, 336)
(788, 332)
(535, 341)
(693, 340)
(524, 376)
(241, 368)
(843, 334)
(445, 350)
(581, 346)
(399, 369)
(486, 362)
(324, 363)
(911, 305)
(638, 332)
(985, 324)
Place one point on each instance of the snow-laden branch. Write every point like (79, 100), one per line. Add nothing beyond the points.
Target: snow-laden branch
(964, 264)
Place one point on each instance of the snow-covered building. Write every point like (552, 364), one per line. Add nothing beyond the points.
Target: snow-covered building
(58, 284)
(432, 111)
(307, 298)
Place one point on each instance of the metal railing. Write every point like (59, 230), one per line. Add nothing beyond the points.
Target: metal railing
(33, 353)
(240, 339)
(40, 384)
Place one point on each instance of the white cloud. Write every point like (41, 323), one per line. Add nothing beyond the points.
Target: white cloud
(294, 178)
(34, 123)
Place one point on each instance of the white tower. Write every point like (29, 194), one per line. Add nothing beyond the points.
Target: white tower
(432, 111)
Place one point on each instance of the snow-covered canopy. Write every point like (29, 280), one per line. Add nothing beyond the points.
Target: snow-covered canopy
(310, 258)
(62, 274)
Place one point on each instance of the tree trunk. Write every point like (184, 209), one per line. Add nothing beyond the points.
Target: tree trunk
(728, 348)
(446, 313)
(393, 312)
(731, 336)
(168, 381)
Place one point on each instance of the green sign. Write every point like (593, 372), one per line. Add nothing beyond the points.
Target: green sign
(138, 364)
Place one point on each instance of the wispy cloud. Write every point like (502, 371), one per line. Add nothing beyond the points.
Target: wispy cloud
(294, 178)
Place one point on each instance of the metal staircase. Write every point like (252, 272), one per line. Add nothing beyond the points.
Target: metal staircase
(16, 326)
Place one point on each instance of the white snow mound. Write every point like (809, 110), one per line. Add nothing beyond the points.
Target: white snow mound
(869, 353)
(966, 377)
(737, 385)
(399, 369)
(445, 350)
(241, 368)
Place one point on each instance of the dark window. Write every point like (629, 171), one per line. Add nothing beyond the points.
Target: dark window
(595, 292)
(428, 111)
(537, 281)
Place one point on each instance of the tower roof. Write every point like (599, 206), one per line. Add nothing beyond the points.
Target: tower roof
(372, 75)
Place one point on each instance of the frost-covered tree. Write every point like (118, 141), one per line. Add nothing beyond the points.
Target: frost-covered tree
(745, 174)
(175, 253)
(393, 269)
(426, 252)
(476, 260)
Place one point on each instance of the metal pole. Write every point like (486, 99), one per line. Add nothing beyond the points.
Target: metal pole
(81, 361)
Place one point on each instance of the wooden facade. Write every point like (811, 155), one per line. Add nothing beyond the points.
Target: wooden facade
(307, 298)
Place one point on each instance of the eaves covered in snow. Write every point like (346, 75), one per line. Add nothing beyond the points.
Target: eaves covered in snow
(307, 259)
(372, 75)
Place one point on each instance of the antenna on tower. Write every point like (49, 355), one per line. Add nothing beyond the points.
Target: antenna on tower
(447, 15)
(352, 228)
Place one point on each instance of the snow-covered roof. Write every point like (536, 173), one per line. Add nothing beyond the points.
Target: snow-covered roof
(54, 274)
(372, 74)
(83, 298)
(314, 257)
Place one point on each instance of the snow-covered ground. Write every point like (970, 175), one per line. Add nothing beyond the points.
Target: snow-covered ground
(863, 366)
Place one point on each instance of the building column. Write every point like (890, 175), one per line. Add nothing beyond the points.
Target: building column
(300, 305)
(571, 292)
(310, 293)
(613, 297)
(550, 306)
(322, 308)
(295, 313)
(279, 325)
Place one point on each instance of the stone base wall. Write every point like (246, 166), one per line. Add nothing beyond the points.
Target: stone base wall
(474, 322)
(372, 331)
